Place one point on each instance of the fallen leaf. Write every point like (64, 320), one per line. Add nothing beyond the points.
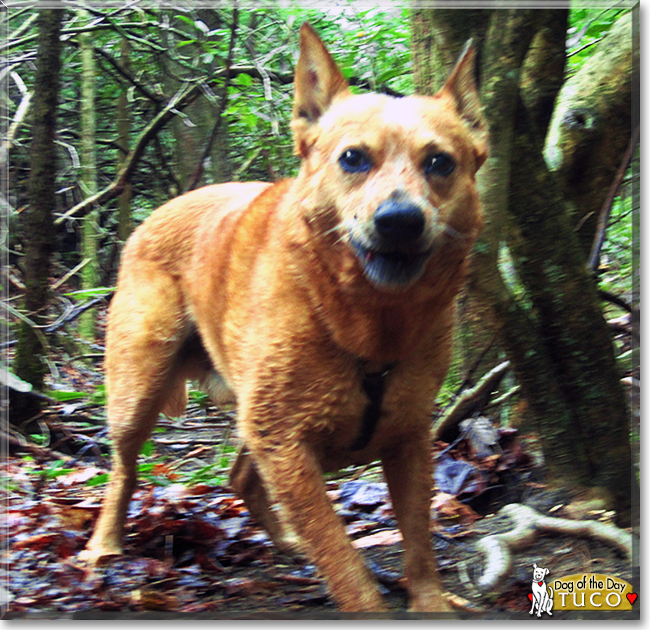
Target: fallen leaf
(154, 600)
(448, 506)
(385, 537)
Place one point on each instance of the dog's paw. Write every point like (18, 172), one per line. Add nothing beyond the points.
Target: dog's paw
(430, 602)
(97, 556)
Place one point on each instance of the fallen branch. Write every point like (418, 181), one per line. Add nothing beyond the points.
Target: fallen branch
(471, 401)
(528, 525)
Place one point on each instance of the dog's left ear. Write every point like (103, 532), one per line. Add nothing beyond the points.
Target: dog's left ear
(462, 88)
(317, 82)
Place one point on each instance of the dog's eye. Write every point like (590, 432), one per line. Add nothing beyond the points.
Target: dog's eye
(355, 161)
(441, 164)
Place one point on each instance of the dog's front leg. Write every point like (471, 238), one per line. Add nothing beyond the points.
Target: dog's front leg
(294, 478)
(408, 470)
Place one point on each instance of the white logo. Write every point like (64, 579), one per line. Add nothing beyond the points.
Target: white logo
(542, 595)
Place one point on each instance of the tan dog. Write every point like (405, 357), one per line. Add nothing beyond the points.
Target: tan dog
(325, 303)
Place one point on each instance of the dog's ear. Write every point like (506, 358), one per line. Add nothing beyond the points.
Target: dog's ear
(317, 81)
(462, 88)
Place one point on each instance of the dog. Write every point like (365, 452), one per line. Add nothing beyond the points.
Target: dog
(322, 305)
(542, 595)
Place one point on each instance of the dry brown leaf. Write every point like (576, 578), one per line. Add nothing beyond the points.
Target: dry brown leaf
(386, 537)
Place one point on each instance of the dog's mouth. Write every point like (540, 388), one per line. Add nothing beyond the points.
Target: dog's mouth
(390, 270)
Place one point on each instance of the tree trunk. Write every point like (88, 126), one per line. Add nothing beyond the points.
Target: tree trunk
(36, 219)
(548, 319)
(591, 128)
(193, 130)
(124, 225)
(88, 179)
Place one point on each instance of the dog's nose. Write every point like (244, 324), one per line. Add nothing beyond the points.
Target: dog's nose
(399, 222)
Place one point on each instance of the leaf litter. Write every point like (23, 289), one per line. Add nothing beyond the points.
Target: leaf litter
(190, 546)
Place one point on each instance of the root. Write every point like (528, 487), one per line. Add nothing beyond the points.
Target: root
(528, 525)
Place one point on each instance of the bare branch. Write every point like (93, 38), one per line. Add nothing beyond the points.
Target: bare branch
(181, 100)
(606, 209)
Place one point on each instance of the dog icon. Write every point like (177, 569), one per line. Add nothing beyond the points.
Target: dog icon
(542, 595)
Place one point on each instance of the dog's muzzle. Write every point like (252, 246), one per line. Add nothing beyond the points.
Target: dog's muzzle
(394, 250)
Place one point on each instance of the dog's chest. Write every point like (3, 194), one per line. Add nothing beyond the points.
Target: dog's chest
(373, 414)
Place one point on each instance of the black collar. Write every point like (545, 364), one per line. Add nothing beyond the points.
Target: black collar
(373, 384)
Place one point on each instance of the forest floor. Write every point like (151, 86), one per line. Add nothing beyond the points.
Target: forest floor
(192, 550)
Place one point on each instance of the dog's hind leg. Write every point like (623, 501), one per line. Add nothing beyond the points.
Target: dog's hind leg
(145, 333)
(247, 483)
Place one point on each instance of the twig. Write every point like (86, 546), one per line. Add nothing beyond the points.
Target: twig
(614, 299)
(606, 209)
(245, 166)
(155, 98)
(68, 317)
(180, 100)
(19, 116)
(21, 444)
(501, 399)
(70, 273)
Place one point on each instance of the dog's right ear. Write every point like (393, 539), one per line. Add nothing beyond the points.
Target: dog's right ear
(317, 82)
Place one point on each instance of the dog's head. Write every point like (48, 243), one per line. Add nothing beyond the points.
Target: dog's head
(386, 182)
(539, 573)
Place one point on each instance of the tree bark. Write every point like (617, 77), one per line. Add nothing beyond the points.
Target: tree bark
(591, 440)
(548, 320)
(88, 179)
(124, 225)
(591, 128)
(36, 219)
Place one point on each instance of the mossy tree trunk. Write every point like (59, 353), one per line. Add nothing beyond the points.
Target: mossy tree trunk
(88, 179)
(124, 224)
(555, 335)
(37, 219)
(193, 129)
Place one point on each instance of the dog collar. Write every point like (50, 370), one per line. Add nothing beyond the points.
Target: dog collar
(372, 384)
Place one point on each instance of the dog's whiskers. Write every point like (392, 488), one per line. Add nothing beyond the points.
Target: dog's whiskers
(454, 233)
(334, 229)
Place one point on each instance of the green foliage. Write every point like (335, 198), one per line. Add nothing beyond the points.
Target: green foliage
(147, 471)
(65, 396)
(199, 398)
(98, 480)
(56, 469)
(87, 294)
(211, 475)
(587, 26)
(371, 45)
(98, 396)
(616, 263)
(147, 449)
